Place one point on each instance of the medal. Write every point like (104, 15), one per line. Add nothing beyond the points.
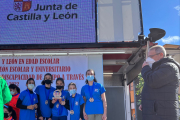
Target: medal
(91, 99)
(91, 91)
(57, 105)
(72, 100)
(72, 112)
(47, 92)
(46, 102)
(60, 107)
(76, 103)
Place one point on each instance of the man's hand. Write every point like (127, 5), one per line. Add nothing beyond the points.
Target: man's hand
(140, 107)
(144, 64)
(49, 119)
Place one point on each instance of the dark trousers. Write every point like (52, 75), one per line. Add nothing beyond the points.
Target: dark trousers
(59, 118)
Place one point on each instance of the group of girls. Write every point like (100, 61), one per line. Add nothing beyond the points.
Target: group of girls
(89, 105)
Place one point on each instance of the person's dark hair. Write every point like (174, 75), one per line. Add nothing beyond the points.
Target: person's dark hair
(94, 74)
(30, 80)
(43, 83)
(13, 86)
(72, 84)
(10, 109)
(60, 79)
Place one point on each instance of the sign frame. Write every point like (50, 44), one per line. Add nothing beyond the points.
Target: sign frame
(79, 45)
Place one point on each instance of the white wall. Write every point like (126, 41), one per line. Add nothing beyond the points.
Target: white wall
(118, 20)
(95, 62)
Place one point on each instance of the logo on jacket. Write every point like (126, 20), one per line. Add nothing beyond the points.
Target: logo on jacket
(96, 90)
(22, 5)
(34, 99)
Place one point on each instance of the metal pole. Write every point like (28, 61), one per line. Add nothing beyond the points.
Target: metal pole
(135, 102)
(127, 101)
(147, 48)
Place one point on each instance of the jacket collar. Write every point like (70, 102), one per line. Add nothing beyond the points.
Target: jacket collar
(165, 60)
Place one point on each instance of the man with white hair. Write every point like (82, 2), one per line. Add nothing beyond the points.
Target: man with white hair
(161, 85)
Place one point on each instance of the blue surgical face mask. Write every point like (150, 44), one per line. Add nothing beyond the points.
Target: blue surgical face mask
(90, 77)
(31, 86)
(73, 91)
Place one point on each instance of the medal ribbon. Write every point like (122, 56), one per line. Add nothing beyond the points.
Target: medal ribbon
(47, 92)
(31, 98)
(60, 108)
(73, 102)
(91, 91)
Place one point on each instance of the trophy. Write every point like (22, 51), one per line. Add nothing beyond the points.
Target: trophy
(57, 94)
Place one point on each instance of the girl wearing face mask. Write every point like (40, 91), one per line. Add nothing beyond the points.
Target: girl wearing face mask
(9, 113)
(15, 92)
(43, 91)
(95, 107)
(59, 111)
(27, 102)
(76, 103)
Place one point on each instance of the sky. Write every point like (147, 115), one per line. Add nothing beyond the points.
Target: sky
(164, 14)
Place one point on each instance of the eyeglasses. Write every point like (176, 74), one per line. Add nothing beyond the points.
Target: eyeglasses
(153, 55)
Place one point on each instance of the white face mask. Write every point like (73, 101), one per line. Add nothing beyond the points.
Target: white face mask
(150, 61)
(150, 65)
(30, 86)
(12, 92)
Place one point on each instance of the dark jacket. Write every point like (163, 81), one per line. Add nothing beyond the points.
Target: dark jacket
(160, 91)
